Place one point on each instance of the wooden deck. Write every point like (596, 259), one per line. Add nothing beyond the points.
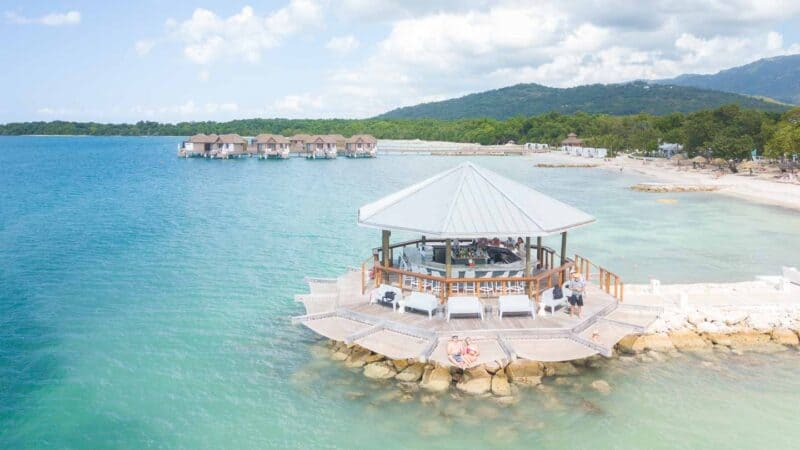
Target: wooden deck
(336, 309)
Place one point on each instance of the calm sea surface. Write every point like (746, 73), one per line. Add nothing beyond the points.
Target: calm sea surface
(144, 302)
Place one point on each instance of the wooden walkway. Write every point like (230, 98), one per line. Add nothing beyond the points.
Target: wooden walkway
(336, 309)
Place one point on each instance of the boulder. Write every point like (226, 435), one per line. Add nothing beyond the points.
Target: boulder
(411, 373)
(476, 381)
(435, 378)
(400, 364)
(718, 338)
(735, 317)
(340, 354)
(601, 386)
(373, 357)
(559, 369)
(625, 345)
(688, 340)
(380, 370)
(492, 367)
(785, 336)
(500, 384)
(523, 371)
(658, 342)
(748, 338)
(357, 358)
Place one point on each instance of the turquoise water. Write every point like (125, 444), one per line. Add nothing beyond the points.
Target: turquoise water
(144, 303)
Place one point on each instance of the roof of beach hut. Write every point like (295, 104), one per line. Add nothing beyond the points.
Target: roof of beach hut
(718, 162)
(361, 137)
(203, 138)
(231, 139)
(749, 164)
(265, 138)
(679, 157)
(469, 201)
(699, 159)
(572, 139)
(323, 138)
(300, 137)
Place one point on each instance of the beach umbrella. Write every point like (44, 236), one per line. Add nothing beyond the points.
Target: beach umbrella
(678, 157)
(699, 160)
(719, 162)
(749, 165)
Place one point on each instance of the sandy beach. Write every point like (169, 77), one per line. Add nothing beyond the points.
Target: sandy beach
(758, 189)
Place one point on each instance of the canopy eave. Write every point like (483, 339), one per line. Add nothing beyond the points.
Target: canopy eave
(475, 234)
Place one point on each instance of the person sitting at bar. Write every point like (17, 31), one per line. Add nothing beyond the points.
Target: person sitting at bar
(577, 285)
(519, 247)
(495, 242)
(509, 242)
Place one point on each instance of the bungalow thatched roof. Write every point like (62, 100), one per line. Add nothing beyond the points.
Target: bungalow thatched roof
(363, 138)
(203, 138)
(572, 139)
(231, 139)
(269, 138)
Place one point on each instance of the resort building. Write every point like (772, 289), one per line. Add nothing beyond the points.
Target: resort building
(457, 277)
(297, 142)
(669, 149)
(361, 146)
(572, 141)
(198, 144)
(271, 146)
(321, 146)
(231, 145)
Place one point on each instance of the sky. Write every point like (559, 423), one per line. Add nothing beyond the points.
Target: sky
(220, 60)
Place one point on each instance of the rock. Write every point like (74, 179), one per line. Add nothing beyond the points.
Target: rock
(400, 364)
(340, 354)
(688, 340)
(785, 336)
(380, 370)
(718, 338)
(408, 387)
(523, 371)
(492, 367)
(748, 337)
(625, 345)
(357, 358)
(560, 369)
(411, 373)
(507, 400)
(658, 342)
(476, 381)
(735, 317)
(601, 386)
(435, 379)
(500, 384)
(373, 357)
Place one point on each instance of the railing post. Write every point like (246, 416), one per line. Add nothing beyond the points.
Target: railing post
(621, 291)
(363, 278)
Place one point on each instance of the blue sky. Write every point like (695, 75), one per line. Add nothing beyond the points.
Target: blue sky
(215, 60)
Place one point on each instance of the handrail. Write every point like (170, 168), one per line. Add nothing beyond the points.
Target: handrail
(608, 281)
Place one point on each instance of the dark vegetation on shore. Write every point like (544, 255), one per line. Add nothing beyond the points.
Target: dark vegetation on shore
(728, 131)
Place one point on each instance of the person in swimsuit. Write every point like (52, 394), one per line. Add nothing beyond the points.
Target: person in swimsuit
(455, 352)
(471, 352)
(578, 286)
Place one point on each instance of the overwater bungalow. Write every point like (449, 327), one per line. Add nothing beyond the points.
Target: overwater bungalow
(231, 146)
(198, 145)
(456, 277)
(361, 146)
(272, 146)
(297, 142)
(321, 147)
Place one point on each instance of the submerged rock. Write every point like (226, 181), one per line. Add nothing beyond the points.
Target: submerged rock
(500, 385)
(601, 386)
(523, 371)
(380, 370)
(476, 381)
(411, 373)
(560, 369)
(435, 379)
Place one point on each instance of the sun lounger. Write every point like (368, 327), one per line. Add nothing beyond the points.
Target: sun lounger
(547, 300)
(421, 301)
(791, 275)
(515, 304)
(379, 295)
(464, 305)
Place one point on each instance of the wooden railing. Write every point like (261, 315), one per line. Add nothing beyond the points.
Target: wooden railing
(608, 281)
(443, 287)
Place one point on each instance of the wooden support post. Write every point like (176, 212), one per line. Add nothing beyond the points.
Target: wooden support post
(539, 251)
(528, 256)
(385, 234)
(448, 258)
(563, 248)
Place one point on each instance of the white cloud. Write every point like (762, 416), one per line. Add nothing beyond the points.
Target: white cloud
(144, 46)
(204, 75)
(52, 19)
(343, 44)
(299, 104)
(208, 37)
(187, 110)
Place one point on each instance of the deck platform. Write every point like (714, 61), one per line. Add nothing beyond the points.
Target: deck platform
(336, 309)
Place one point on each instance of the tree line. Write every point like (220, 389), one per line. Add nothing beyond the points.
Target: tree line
(727, 132)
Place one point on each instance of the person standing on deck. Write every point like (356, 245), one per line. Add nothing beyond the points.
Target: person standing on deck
(577, 285)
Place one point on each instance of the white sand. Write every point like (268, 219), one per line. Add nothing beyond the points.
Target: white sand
(755, 189)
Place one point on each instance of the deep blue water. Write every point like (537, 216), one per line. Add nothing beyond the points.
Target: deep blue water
(144, 299)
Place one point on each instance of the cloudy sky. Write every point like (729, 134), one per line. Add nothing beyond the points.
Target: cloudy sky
(218, 60)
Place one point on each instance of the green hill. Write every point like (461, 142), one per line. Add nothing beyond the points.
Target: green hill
(614, 99)
(777, 78)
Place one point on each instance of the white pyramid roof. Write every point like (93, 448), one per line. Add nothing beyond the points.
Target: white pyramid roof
(471, 202)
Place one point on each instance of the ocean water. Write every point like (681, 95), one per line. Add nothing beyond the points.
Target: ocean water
(144, 302)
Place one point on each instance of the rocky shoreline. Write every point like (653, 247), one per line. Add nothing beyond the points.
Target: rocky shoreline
(671, 187)
(726, 332)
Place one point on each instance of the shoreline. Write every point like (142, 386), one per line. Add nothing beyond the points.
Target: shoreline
(753, 189)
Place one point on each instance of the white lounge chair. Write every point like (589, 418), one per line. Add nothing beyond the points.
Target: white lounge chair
(517, 304)
(464, 305)
(791, 274)
(379, 295)
(547, 300)
(421, 301)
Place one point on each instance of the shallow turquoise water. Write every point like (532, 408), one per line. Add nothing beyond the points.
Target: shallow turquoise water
(144, 302)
